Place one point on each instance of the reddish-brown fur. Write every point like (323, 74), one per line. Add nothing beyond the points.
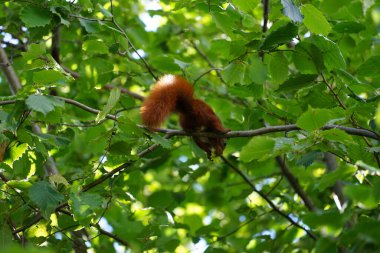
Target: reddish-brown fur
(174, 94)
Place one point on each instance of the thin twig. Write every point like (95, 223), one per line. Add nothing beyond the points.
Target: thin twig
(113, 20)
(271, 204)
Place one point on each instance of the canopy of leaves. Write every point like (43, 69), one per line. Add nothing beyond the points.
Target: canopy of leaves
(300, 171)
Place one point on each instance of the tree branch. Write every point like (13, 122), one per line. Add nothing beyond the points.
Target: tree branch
(113, 236)
(91, 185)
(271, 204)
(231, 134)
(10, 74)
(15, 85)
(265, 15)
(293, 181)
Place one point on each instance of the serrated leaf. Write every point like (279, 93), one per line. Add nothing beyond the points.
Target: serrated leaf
(337, 135)
(362, 195)
(308, 58)
(105, 12)
(127, 126)
(308, 159)
(370, 68)
(331, 178)
(84, 205)
(234, 72)
(332, 56)
(291, 11)
(45, 197)
(314, 119)
(314, 20)
(256, 71)
(111, 102)
(120, 148)
(93, 47)
(280, 36)
(245, 5)
(278, 68)
(48, 76)
(34, 16)
(14, 152)
(90, 26)
(44, 104)
(20, 184)
(58, 179)
(165, 63)
(165, 143)
(258, 148)
(296, 82)
(348, 27)
(34, 51)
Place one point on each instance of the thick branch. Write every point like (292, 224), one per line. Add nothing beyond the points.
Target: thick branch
(265, 197)
(231, 134)
(295, 184)
(10, 74)
(265, 15)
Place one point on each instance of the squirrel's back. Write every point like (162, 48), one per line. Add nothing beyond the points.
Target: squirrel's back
(170, 93)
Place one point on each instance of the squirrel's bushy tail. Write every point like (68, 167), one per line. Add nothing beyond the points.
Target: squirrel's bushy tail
(170, 93)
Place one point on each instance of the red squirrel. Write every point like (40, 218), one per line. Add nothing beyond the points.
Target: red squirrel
(174, 94)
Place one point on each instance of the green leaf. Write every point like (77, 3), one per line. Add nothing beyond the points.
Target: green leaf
(34, 16)
(42, 103)
(20, 184)
(48, 77)
(45, 197)
(58, 179)
(292, 11)
(348, 27)
(308, 58)
(90, 26)
(296, 82)
(278, 68)
(258, 148)
(370, 70)
(105, 12)
(161, 199)
(337, 135)
(111, 102)
(165, 143)
(314, 20)
(246, 6)
(164, 63)
(93, 47)
(120, 148)
(280, 36)
(234, 72)
(362, 195)
(377, 115)
(256, 71)
(15, 152)
(127, 126)
(308, 159)
(332, 56)
(314, 119)
(84, 205)
(34, 51)
(331, 178)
